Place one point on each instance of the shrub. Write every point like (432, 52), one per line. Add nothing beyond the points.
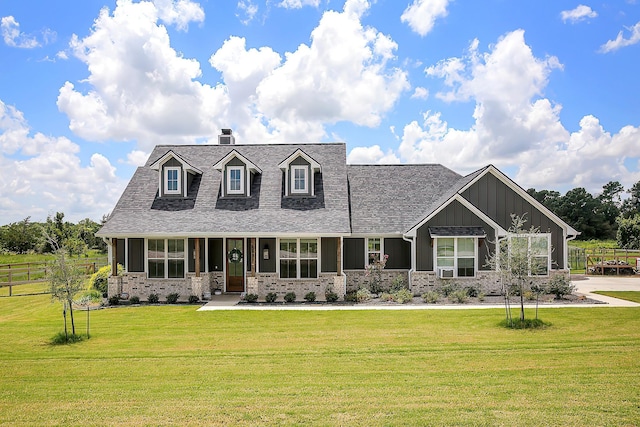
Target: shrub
(459, 296)
(363, 295)
(398, 283)
(99, 279)
(561, 286)
(134, 300)
(290, 297)
(193, 299)
(351, 296)
(431, 297)
(386, 296)
(403, 296)
(153, 298)
(472, 291)
(271, 297)
(172, 298)
(251, 298)
(481, 296)
(529, 295)
(114, 300)
(331, 296)
(310, 297)
(448, 288)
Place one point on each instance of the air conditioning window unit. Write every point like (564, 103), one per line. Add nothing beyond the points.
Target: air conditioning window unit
(445, 272)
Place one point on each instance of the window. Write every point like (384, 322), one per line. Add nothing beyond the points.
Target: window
(456, 256)
(374, 250)
(298, 258)
(172, 180)
(535, 248)
(165, 258)
(299, 179)
(235, 181)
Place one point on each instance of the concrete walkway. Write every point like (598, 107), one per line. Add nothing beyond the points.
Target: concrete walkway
(584, 286)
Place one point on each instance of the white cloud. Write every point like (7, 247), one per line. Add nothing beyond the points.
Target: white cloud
(297, 4)
(14, 37)
(421, 15)
(371, 155)
(180, 12)
(580, 13)
(137, 158)
(420, 93)
(248, 9)
(515, 126)
(48, 176)
(621, 42)
(140, 88)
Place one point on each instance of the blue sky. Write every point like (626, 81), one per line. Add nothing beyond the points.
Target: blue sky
(545, 91)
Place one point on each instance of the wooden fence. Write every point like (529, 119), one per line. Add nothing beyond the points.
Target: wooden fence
(612, 261)
(28, 273)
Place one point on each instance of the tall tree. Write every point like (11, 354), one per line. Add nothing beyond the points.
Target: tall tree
(611, 201)
(631, 206)
(628, 236)
(20, 236)
(580, 209)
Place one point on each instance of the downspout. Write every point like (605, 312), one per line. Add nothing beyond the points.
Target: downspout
(566, 251)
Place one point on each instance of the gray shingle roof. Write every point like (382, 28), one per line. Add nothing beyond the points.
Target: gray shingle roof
(133, 214)
(392, 198)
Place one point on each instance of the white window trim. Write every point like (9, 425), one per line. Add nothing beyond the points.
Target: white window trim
(455, 256)
(530, 255)
(242, 178)
(298, 258)
(367, 252)
(166, 180)
(305, 169)
(166, 258)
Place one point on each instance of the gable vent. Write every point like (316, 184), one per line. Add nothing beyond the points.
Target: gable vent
(226, 138)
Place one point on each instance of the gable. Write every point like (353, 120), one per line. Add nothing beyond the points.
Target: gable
(496, 199)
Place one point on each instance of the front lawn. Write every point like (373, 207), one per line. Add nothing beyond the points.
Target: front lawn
(171, 365)
(633, 296)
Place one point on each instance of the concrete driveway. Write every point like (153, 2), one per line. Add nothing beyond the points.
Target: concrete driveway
(585, 285)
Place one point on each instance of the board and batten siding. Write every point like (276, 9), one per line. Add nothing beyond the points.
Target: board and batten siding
(454, 214)
(498, 201)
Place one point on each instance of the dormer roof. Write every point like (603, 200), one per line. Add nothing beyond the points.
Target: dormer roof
(315, 166)
(171, 154)
(234, 154)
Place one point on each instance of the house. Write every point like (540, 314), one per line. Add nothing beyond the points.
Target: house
(279, 218)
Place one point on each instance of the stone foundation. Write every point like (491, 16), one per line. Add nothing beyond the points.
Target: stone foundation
(138, 285)
(265, 283)
(358, 278)
(487, 282)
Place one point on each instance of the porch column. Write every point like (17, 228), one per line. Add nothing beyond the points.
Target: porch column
(197, 241)
(252, 254)
(114, 257)
(339, 255)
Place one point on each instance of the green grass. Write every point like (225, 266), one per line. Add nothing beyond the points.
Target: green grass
(594, 244)
(626, 295)
(171, 365)
(33, 257)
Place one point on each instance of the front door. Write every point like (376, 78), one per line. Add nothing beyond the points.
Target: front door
(235, 265)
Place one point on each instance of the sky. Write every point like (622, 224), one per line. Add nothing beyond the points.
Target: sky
(547, 91)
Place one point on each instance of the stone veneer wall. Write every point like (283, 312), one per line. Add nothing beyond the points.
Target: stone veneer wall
(487, 282)
(137, 284)
(358, 278)
(263, 283)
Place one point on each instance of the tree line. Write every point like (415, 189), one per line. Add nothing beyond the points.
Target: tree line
(608, 215)
(27, 236)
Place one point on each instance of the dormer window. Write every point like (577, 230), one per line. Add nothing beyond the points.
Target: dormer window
(175, 174)
(235, 180)
(300, 179)
(299, 174)
(172, 180)
(238, 174)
